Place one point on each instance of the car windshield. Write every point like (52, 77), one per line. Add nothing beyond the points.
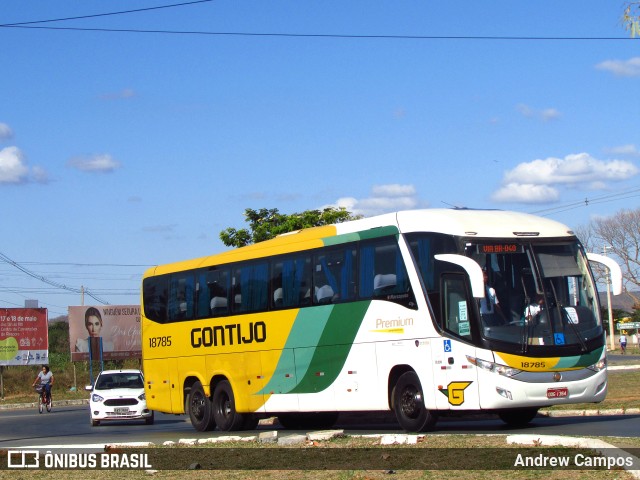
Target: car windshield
(109, 381)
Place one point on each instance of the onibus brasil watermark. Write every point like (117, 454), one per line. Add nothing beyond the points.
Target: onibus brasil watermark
(35, 459)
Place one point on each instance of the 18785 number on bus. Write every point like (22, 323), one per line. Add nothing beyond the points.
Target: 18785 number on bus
(160, 341)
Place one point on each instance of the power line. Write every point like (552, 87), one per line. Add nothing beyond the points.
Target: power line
(325, 35)
(629, 193)
(48, 281)
(96, 15)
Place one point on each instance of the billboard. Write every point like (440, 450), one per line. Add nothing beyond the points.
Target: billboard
(117, 327)
(24, 336)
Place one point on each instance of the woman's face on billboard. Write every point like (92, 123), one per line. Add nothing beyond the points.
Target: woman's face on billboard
(93, 326)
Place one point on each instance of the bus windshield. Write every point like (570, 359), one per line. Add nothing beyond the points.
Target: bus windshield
(536, 295)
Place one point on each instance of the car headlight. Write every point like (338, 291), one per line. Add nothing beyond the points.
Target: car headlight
(96, 398)
(503, 370)
(141, 396)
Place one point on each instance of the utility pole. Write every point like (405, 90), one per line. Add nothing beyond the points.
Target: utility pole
(612, 339)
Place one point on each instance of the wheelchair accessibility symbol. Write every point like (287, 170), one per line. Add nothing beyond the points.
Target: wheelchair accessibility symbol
(447, 346)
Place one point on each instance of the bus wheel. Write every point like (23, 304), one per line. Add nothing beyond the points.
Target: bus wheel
(200, 409)
(518, 417)
(408, 404)
(224, 408)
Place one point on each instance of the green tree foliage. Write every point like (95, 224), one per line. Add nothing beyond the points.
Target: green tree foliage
(265, 224)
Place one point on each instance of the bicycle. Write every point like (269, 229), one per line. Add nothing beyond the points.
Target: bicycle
(44, 400)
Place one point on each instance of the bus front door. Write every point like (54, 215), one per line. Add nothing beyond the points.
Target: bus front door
(455, 377)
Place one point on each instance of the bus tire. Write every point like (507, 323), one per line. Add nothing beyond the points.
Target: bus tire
(518, 417)
(200, 409)
(408, 404)
(224, 408)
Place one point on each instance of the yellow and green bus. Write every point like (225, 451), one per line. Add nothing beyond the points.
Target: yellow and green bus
(422, 313)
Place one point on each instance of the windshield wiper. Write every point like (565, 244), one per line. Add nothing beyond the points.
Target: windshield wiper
(562, 314)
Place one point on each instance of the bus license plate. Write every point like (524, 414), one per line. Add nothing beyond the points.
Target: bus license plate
(557, 392)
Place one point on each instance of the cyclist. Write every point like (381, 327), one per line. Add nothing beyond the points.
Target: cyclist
(45, 378)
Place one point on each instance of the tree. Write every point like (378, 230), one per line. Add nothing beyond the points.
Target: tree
(620, 234)
(631, 18)
(265, 224)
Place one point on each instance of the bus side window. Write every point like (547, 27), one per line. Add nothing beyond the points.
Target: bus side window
(218, 287)
(333, 276)
(456, 313)
(155, 298)
(181, 297)
(250, 287)
(291, 282)
(383, 274)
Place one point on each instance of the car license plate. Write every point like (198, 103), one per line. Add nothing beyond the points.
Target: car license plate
(121, 410)
(557, 392)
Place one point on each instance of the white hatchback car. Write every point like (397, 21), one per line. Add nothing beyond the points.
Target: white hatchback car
(118, 395)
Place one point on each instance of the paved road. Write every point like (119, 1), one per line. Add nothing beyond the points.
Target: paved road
(70, 426)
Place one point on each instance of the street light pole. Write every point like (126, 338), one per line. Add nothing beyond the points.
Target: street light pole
(612, 340)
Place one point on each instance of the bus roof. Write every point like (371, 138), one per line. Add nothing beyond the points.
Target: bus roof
(459, 222)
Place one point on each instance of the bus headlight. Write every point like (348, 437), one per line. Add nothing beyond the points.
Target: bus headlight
(503, 370)
(601, 365)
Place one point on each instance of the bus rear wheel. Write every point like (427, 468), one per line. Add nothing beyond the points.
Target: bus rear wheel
(518, 417)
(200, 409)
(224, 408)
(408, 404)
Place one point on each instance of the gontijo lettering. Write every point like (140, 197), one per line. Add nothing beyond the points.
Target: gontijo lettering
(232, 334)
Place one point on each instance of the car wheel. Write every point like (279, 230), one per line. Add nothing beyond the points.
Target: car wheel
(200, 410)
(95, 423)
(224, 408)
(149, 420)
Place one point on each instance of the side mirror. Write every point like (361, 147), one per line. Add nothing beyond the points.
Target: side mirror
(88, 388)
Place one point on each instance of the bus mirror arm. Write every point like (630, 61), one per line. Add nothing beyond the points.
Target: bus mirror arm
(470, 266)
(615, 273)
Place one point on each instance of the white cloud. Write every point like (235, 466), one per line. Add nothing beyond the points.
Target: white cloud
(383, 199)
(621, 68)
(549, 114)
(538, 181)
(39, 175)
(546, 115)
(122, 94)
(97, 163)
(5, 132)
(526, 193)
(13, 168)
(630, 150)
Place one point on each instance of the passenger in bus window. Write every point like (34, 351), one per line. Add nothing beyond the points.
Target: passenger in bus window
(490, 310)
(534, 308)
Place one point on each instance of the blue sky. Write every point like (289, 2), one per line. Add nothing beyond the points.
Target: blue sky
(122, 150)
